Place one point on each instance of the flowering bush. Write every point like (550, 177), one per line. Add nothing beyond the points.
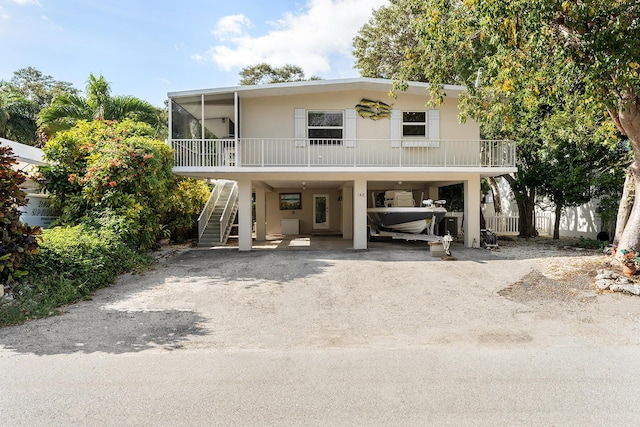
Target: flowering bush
(103, 169)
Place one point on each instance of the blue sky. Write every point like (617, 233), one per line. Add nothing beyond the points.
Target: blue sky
(147, 49)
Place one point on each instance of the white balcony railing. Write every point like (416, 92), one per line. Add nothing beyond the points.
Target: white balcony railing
(315, 153)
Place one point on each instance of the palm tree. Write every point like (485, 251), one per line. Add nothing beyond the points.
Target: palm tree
(17, 116)
(98, 104)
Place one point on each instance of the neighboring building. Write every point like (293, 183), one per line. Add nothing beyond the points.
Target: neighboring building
(38, 211)
(310, 154)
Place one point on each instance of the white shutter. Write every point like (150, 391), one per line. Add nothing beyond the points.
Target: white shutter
(350, 127)
(434, 125)
(300, 126)
(396, 128)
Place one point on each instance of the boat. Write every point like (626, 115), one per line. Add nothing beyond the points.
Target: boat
(395, 210)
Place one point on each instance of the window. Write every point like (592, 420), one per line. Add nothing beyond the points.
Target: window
(325, 127)
(414, 123)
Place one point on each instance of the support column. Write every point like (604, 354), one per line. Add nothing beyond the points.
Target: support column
(244, 215)
(360, 214)
(347, 212)
(261, 214)
(472, 211)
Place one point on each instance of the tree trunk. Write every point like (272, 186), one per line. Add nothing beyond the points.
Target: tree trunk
(628, 121)
(556, 222)
(525, 199)
(527, 222)
(630, 237)
(497, 199)
(626, 203)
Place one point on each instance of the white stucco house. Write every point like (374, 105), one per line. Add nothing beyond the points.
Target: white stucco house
(307, 155)
(38, 211)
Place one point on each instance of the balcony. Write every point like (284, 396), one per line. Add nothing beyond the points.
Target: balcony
(282, 153)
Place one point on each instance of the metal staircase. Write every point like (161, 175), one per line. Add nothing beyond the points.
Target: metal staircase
(217, 217)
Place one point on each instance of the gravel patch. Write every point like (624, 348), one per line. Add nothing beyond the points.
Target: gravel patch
(531, 293)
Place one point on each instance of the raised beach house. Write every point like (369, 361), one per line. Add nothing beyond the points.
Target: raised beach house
(306, 157)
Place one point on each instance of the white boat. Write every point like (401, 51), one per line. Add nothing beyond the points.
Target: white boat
(396, 211)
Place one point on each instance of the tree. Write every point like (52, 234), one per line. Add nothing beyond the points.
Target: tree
(517, 67)
(110, 174)
(265, 74)
(39, 88)
(18, 239)
(21, 100)
(17, 116)
(381, 44)
(98, 104)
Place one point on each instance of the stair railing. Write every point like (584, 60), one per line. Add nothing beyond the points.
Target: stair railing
(207, 211)
(228, 214)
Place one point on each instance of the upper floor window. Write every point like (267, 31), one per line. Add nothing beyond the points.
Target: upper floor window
(414, 123)
(325, 127)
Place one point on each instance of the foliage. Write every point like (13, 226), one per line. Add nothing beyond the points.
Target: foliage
(584, 242)
(71, 262)
(98, 104)
(22, 98)
(39, 88)
(526, 55)
(110, 173)
(381, 44)
(532, 68)
(264, 73)
(18, 240)
(17, 116)
(186, 200)
(630, 257)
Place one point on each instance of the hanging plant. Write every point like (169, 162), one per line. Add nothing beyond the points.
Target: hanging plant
(374, 110)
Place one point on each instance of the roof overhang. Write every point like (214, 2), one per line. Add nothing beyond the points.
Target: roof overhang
(25, 153)
(312, 86)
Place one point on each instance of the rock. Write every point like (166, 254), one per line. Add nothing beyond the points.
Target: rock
(632, 289)
(606, 274)
(603, 284)
(616, 288)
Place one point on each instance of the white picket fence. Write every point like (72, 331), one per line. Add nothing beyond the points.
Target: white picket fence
(508, 224)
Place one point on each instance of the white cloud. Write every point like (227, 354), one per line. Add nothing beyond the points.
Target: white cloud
(3, 14)
(307, 39)
(25, 2)
(231, 27)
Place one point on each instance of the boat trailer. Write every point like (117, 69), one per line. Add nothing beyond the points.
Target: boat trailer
(428, 236)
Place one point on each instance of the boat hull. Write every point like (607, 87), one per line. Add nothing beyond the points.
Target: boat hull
(406, 219)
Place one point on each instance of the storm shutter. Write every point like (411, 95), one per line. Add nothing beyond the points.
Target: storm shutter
(350, 127)
(300, 126)
(396, 128)
(434, 124)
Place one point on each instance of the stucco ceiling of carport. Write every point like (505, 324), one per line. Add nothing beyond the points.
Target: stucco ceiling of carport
(374, 185)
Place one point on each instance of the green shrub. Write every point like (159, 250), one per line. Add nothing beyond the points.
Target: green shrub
(103, 169)
(71, 262)
(185, 202)
(587, 243)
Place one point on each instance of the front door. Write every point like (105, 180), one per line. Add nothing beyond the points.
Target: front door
(320, 211)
